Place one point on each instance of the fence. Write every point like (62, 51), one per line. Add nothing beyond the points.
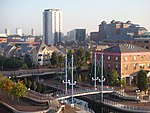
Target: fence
(127, 107)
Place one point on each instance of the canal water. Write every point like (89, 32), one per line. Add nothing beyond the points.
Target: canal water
(98, 107)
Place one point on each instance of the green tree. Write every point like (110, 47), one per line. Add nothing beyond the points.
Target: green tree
(29, 83)
(54, 59)
(34, 86)
(24, 66)
(88, 56)
(79, 78)
(142, 82)
(44, 88)
(28, 61)
(123, 82)
(25, 81)
(19, 90)
(60, 60)
(80, 58)
(39, 87)
(114, 77)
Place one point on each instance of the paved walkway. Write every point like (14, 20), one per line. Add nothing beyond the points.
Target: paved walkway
(21, 105)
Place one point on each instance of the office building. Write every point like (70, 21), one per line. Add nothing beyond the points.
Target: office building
(32, 32)
(77, 35)
(116, 29)
(19, 31)
(7, 32)
(52, 26)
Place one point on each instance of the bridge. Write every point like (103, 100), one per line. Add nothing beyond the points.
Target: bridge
(80, 92)
(32, 72)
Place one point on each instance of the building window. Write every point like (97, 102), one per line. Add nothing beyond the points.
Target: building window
(108, 57)
(125, 58)
(39, 60)
(40, 54)
(116, 58)
(134, 58)
(126, 67)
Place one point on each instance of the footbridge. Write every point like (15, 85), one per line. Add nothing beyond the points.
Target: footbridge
(81, 92)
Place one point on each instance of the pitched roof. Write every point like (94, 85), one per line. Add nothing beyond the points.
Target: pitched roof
(123, 48)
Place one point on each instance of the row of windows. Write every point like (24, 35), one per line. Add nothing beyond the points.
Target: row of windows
(126, 58)
(134, 66)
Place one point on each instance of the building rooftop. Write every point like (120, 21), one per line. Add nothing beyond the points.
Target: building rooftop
(126, 48)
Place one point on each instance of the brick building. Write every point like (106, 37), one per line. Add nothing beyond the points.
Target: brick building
(127, 59)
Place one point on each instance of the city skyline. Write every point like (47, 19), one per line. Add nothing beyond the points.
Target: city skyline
(76, 14)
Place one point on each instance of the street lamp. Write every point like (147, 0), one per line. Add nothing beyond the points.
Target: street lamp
(2, 54)
(102, 78)
(14, 65)
(66, 73)
(137, 95)
(95, 78)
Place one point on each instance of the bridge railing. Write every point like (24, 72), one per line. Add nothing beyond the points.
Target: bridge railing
(28, 71)
(125, 94)
(127, 107)
(78, 91)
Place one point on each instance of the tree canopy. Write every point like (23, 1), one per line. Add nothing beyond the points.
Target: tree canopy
(114, 77)
(142, 81)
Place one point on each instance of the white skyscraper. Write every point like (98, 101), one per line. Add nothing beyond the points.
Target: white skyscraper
(32, 32)
(19, 31)
(52, 26)
(7, 32)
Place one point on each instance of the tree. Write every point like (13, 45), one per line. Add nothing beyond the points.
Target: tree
(142, 82)
(54, 59)
(114, 77)
(25, 81)
(6, 85)
(19, 89)
(80, 58)
(123, 82)
(24, 66)
(60, 60)
(39, 87)
(79, 80)
(44, 88)
(29, 83)
(28, 61)
(88, 56)
(34, 86)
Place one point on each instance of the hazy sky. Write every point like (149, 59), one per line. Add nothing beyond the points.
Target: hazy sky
(27, 14)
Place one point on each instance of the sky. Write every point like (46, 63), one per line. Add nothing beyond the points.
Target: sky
(88, 14)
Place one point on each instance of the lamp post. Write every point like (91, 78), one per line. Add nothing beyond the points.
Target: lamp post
(95, 78)
(66, 73)
(72, 83)
(102, 78)
(2, 54)
(14, 65)
(137, 95)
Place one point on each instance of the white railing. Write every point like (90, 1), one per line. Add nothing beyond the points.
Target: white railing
(127, 107)
(121, 93)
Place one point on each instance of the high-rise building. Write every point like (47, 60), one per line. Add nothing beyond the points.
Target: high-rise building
(52, 26)
(77, 35)
(19, 31)
(7, 32)
(32, 32)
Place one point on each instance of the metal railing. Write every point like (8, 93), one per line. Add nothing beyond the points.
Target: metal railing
(127, 107)
(80, 91)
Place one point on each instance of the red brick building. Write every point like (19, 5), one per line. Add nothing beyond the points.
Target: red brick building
(126, 59)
